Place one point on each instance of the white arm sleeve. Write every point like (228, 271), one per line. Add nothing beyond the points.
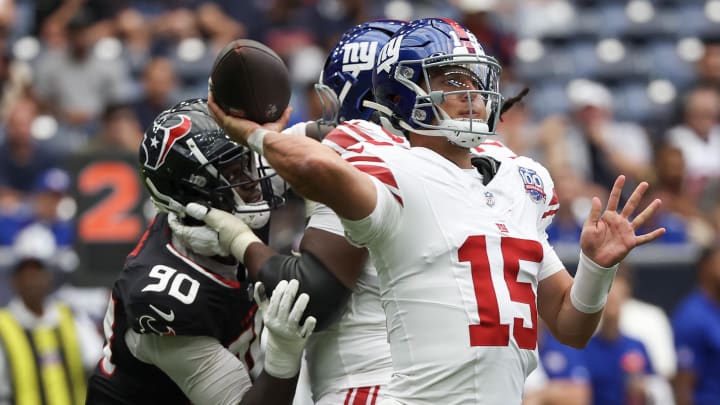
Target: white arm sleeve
(380, 224)
(551, 263)
(323, 218)
(203, 369)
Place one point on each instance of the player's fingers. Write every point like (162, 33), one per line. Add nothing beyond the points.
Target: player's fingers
(285, 118)
(277, 294)
(595, 210)
(649, 237)
(215, 109)
(217, 218)
(634, 199)
(308, 327)
(197, 211)
(614, 198)
(281, 123)
(288, 298)
(648, 212)
(298, 309)
(260, 296)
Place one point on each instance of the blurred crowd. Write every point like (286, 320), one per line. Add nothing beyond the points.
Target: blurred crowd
(615, 87)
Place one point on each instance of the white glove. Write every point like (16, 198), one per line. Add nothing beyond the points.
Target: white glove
(200, 239)
(286, 338)
(233, 234)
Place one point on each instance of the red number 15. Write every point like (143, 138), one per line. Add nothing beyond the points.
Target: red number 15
(490, 332)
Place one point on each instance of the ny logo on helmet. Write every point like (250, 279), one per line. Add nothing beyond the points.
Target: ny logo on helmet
(358, 56)
(158, 143)
(389, 54)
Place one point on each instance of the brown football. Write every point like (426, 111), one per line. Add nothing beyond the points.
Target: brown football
(251, 81)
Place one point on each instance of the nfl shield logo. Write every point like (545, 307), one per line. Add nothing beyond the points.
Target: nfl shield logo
(533, 184)
(489, 199)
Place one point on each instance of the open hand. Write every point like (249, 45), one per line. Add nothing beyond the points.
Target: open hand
(239, 129)
(282, 314)
(609, 236)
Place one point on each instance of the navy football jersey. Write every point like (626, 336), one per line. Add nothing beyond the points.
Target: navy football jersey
(161, 291)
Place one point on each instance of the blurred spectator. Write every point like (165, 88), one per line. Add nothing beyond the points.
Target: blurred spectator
(696, 325)
(290, 27)
(175, 24)
(575, 196)
(46, 350)
(76, 85)
(15, 78)
(710, 204)
(561, 377)
(679, 214)
(600, 148)
(620, 367)
(22, 158)
(50, 190)
(217, 26)
(134, 31)
(708, 66)
(516, 129)
(45, 209)
(120, 131)
(698, 137)
(61, 13)
(159, 90)
(7, 16)
(647, 323)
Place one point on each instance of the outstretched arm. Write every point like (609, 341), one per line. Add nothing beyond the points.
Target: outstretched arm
(572, 308)
(326, 268)
(313, 170)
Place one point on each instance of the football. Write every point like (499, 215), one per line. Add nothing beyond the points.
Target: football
(250, 80)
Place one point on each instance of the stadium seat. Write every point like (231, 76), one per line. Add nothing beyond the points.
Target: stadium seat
(632, 103)
(667, 64)
(554, 62)
(588, 64)
(693, 21)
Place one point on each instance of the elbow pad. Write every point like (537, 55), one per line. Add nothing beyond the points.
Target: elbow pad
(328, 295)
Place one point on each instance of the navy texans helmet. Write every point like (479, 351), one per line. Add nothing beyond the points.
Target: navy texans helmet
(346, 79)
(185, 156)
(436, 46)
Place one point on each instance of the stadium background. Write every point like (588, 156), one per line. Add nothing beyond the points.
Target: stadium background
(635, 60)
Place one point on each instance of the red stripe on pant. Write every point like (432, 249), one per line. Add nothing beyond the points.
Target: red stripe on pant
(362, 395)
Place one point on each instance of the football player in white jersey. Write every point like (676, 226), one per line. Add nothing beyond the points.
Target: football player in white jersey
(463, 263)
(349, 360)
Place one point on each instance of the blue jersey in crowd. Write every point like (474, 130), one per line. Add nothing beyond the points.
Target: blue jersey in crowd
(560, 361)
(696, 325)
(612, 364)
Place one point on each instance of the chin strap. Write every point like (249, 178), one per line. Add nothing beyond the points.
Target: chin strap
(486, 166)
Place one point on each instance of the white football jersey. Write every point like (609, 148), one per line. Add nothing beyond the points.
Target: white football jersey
(458, 265)
(354, 351)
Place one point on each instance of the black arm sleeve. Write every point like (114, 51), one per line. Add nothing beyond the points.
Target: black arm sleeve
(328, 296)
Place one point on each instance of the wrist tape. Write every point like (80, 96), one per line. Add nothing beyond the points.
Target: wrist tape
(592, 283)
(255, 140)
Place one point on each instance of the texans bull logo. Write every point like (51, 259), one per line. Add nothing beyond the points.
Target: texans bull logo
(157, 143)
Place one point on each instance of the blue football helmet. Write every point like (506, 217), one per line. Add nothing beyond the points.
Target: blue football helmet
(346, 79)
(185, 157)
(428, 48)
